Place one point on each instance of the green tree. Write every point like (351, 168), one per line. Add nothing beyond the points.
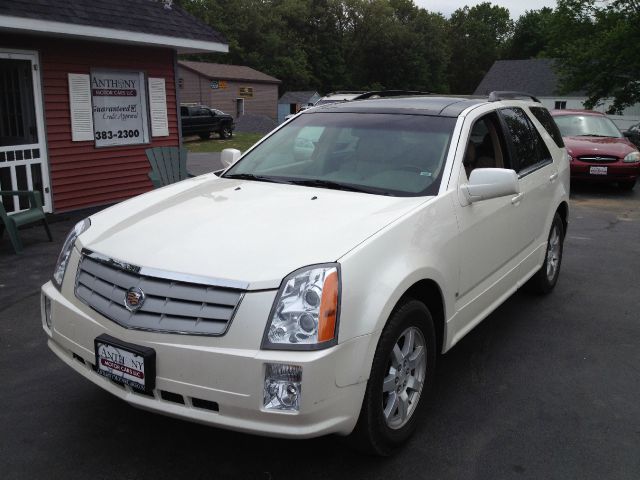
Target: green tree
(597, 42)
(477, 36)
(332, 44)
(531, 34)
(396, 45)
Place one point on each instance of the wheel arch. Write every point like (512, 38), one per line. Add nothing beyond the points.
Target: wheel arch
(563, 211)
(428, 292)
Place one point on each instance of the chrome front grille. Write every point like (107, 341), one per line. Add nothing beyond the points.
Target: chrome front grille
(173, 303)
(598, 158)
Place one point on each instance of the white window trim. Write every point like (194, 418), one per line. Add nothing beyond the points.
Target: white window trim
(183, 45)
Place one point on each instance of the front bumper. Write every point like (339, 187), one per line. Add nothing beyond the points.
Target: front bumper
(206, 380)
(616, 172)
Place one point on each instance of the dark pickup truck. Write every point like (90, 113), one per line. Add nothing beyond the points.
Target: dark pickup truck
(203, 121)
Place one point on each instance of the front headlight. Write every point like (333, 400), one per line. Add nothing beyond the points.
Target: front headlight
(306, 310)
(65, 253)
(633, 157)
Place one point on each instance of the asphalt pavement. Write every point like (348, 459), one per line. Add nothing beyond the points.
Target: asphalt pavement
(545, 388)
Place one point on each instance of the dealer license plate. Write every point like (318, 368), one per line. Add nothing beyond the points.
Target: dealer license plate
(126, 363)
(598, 170)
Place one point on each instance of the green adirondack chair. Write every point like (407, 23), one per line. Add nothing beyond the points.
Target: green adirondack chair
(34, 214)
(168, 165)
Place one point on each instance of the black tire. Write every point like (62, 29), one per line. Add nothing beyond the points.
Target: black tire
(546, 278)
(627, 186)
(225, 133)
(373, 433)
(205, 136)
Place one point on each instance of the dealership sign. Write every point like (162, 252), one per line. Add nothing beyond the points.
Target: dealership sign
(119, 108)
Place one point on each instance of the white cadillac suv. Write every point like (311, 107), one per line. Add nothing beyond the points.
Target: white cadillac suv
(310, 288)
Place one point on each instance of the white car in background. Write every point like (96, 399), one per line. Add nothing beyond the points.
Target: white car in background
(304, 294)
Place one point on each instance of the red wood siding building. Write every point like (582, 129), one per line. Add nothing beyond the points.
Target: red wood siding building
(82, 175)
(79, 174)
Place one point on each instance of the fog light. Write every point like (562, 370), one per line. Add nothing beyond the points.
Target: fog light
(282, 387)
(47, 310)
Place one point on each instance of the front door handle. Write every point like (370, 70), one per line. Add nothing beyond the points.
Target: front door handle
(553, 177)
(515, 200)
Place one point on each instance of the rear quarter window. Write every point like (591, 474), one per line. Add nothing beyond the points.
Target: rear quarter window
(549, 124)
(528, 147)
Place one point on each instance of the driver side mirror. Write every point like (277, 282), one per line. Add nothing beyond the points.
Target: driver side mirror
(487, 183)
(229, 156)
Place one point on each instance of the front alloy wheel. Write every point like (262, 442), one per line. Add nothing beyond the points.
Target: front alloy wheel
(401, 376)
(402, 386)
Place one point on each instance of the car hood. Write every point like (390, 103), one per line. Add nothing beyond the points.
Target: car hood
(244, 231)
(579, 146)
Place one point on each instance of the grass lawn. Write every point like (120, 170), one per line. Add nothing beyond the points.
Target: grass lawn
(241, 141)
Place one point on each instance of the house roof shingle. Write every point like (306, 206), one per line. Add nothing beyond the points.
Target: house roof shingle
(228, 72)
(298, 98)
(535, 76)
(140, 16)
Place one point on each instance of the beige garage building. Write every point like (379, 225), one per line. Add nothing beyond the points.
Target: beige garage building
(234, 89)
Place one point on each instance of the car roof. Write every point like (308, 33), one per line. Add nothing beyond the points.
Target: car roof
(421, 105)
(576, 112)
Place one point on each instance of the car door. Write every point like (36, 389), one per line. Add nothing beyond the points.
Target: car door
(491, 237)
(537, 175)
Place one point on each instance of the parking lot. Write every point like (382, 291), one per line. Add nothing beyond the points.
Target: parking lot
(546, 387)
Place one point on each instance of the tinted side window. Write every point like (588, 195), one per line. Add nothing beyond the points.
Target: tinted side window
(524, 138)
(549, 124)
(184, 111)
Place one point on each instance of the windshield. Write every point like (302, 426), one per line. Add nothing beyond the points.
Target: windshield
(387, 154)
(586, 126)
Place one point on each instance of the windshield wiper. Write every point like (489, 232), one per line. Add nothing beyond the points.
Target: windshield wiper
(257, 178)
(317, 182)
(595, 135)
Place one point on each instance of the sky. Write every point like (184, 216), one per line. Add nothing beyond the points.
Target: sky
(516, 7)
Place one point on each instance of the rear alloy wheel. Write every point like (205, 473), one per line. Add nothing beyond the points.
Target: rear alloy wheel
(226, 133)
(547, 277)
(401, 376)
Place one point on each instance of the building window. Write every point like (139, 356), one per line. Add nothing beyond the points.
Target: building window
(119, 103)
(17, 108)
(561, 105)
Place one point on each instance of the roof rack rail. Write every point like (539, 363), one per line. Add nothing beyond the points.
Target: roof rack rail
(509, 95)
(389, 93)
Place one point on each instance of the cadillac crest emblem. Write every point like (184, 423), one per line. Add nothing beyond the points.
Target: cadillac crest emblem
(133, 299)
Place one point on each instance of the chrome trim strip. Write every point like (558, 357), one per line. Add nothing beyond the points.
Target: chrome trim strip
(171, 332)
(166, 275)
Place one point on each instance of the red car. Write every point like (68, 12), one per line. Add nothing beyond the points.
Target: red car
(599, 152)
